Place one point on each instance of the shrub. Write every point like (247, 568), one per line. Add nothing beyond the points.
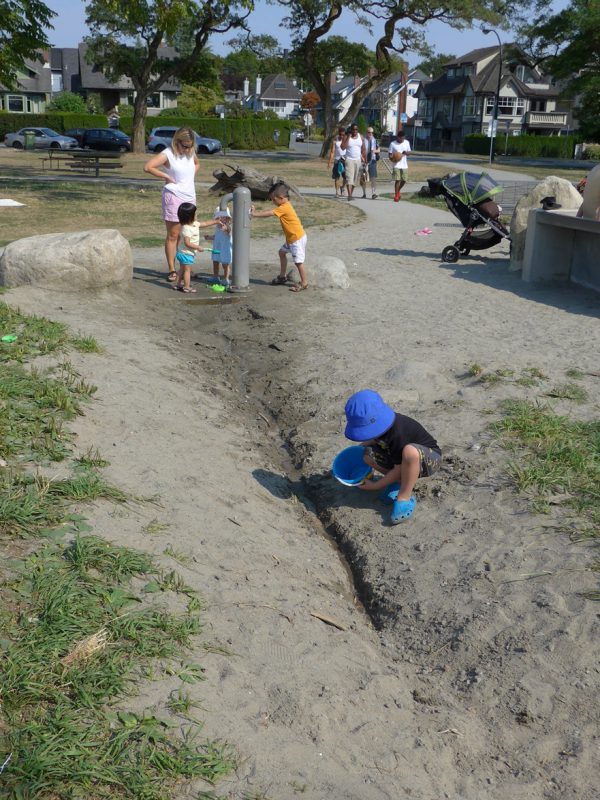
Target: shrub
(61, 122)
(527, 145)
(592, 152)
(69, 102)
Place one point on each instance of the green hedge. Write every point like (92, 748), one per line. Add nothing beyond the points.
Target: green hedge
(244, 133)
(525, 146)
(10, 123)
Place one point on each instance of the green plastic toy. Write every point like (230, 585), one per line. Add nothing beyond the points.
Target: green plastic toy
(10, 337)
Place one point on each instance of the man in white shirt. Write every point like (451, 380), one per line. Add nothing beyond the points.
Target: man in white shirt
(354, 146)
(398, 151)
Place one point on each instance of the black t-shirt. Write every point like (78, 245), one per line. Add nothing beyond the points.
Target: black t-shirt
(404, 430)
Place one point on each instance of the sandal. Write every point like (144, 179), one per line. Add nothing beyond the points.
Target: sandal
(298, 287)
(403, 509)
(185, 289)
(172, 276)
(279, 280)
(390, 493)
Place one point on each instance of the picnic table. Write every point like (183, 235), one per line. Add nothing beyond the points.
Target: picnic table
(82, 160)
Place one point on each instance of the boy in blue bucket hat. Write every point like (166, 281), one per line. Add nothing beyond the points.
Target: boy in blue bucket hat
(396, 445)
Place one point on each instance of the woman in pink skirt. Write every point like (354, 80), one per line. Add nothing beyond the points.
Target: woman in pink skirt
(177, 166)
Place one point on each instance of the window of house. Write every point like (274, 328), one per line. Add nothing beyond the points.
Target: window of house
(507, 106)
(451, 72)
(537, 105)
(468, 69)
(445, 106)
(520, 72)
(424, 107)
(15, 103)
(469, 106)
(154, 100)
(279, 84)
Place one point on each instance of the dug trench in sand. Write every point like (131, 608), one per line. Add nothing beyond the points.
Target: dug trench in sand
(479, 598)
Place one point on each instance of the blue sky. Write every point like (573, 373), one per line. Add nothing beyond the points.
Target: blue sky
(70, 28)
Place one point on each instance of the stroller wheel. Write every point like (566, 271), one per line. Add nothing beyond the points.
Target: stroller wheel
(450, 254)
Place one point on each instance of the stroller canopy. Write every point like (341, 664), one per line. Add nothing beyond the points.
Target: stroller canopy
(471, 188)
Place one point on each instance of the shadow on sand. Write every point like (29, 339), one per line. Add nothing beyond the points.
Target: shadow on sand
(324, 487)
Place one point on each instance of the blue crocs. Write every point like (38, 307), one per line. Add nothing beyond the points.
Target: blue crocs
(390, 493)
(403, 509)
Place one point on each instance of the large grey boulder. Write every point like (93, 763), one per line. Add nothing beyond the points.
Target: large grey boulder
(564, 193)
(67, 261)
(329, 273)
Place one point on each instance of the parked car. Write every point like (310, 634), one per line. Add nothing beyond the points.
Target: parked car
(299, 136)
(44, 137)
(101, 139)
(161, 137)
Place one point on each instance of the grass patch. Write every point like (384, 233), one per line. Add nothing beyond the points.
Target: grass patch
(74, 640)
(568, 391)
(85, 344)
(72, 206)
(562, 456)
(92, 459)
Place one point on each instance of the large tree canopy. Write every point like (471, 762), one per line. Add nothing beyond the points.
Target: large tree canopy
(126, 36)
(433, 65)
(311, 21)
(567, 45)
(22, 34)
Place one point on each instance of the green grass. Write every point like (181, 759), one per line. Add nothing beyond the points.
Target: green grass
(57, 679)
(568, 391)
(561, 456)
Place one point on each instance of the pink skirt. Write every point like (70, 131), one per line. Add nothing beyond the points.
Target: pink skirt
(170, 204)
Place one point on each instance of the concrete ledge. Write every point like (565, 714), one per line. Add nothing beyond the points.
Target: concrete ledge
(561, 246)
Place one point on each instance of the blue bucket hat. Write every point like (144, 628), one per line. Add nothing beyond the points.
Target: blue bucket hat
(367, 416)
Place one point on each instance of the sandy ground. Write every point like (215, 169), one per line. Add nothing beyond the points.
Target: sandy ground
(473, 674)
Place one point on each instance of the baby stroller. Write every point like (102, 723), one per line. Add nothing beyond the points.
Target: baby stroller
(469, 197)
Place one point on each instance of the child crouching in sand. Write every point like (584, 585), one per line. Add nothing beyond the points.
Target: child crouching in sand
(295, 238)
(190, 233)
(396, 445)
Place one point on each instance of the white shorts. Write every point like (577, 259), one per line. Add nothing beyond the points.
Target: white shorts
(296, 249)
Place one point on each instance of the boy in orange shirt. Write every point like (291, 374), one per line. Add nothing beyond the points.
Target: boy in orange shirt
(295, 238)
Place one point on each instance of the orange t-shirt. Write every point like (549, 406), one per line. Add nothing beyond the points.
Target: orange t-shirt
(292, 227)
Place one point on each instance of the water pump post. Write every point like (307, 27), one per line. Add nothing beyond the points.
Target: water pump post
(242, 202)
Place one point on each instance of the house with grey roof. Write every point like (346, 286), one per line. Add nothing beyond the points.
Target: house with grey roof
(32, 88)
(276, 93)
(65, 69)
(461, 100)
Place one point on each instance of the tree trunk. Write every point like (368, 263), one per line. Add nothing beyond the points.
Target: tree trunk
(258, 183)
(138, 136)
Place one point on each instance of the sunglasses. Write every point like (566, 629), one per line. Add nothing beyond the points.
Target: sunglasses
(185, 146)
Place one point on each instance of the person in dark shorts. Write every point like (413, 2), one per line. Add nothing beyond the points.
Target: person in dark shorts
(395, 445)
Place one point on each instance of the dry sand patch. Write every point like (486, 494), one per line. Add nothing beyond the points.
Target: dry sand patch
(478, 681)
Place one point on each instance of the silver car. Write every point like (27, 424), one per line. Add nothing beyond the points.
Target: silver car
(43, 138)
(161, 138)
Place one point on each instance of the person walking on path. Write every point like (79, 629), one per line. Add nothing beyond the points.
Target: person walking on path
(398, 151)
(337, 156)
(354, 146)
(372, 157)
(177, 166)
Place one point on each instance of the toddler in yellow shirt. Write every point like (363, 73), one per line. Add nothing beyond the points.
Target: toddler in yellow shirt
(295, 238)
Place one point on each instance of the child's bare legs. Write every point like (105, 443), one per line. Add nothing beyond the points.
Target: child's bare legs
(406, 473)
(303, 280)
(226, 271)
(282, 264)
(216, 270)
(183, 279)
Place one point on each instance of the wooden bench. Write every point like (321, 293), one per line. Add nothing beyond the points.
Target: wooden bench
(83, 160)
(561, 246)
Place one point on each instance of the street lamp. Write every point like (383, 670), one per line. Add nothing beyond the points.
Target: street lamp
(497, 95)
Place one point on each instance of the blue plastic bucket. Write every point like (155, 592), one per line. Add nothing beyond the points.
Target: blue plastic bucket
(349, 467)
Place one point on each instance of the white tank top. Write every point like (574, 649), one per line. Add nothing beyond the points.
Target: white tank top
(354, 147)
(181, 170)
(338, 152)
